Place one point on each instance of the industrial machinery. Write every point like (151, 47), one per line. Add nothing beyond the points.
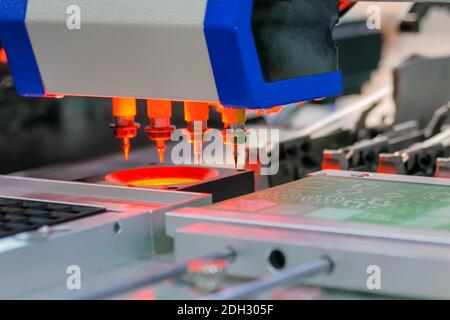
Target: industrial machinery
(200, 52)
(314, 193)
(354, 219)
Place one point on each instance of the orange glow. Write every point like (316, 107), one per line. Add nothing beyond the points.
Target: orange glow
(161, 148)
(386, 168)
(126, 147)
(209, 103)
(160, 129)
(196, 115)
(124, 111)
(159, 108)
(196, 111)
(274, 110)
(124, 107)
(161, 177)
(329, 162)
(388, 164)
(345, 6)
(148, 294)
(233, 115)
(159, 182)
(198, 265)
(3, 58)
(259, 113)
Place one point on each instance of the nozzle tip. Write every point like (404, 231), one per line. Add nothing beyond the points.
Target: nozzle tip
(126, 146)
(235, 159)
(161, 153)
(161, 146)
(197, 158)
(198, 150)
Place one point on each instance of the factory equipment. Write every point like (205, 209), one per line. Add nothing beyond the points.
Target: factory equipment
(209, 52)
(214, 71)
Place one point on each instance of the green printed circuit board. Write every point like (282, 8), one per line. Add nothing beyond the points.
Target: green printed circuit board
(355, 200)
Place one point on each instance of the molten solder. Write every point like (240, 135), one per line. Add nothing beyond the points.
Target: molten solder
(161, 177)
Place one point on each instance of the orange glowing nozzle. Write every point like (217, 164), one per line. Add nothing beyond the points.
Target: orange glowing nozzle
(3, 58)
(160, 129)
(126, 146)
(161, 147)
(124, 112)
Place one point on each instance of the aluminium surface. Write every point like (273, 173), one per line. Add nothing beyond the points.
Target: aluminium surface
(176, 290)
(398, 223)
(131, 229)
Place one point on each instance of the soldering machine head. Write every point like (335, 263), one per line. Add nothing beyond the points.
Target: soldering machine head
(241, 53)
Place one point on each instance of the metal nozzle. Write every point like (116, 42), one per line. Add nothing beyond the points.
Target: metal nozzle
(125, 129)
(160, 131)
(234, 131)
(195, 131)
(196, 115)
(161, 147)
(124, 112)
(126, 146)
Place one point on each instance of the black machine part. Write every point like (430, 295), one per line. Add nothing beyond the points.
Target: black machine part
(416, 97)
(303, 26)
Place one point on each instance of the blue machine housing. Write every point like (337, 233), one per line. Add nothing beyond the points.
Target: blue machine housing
(234, 59)
(15, 39)
(237, 70)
